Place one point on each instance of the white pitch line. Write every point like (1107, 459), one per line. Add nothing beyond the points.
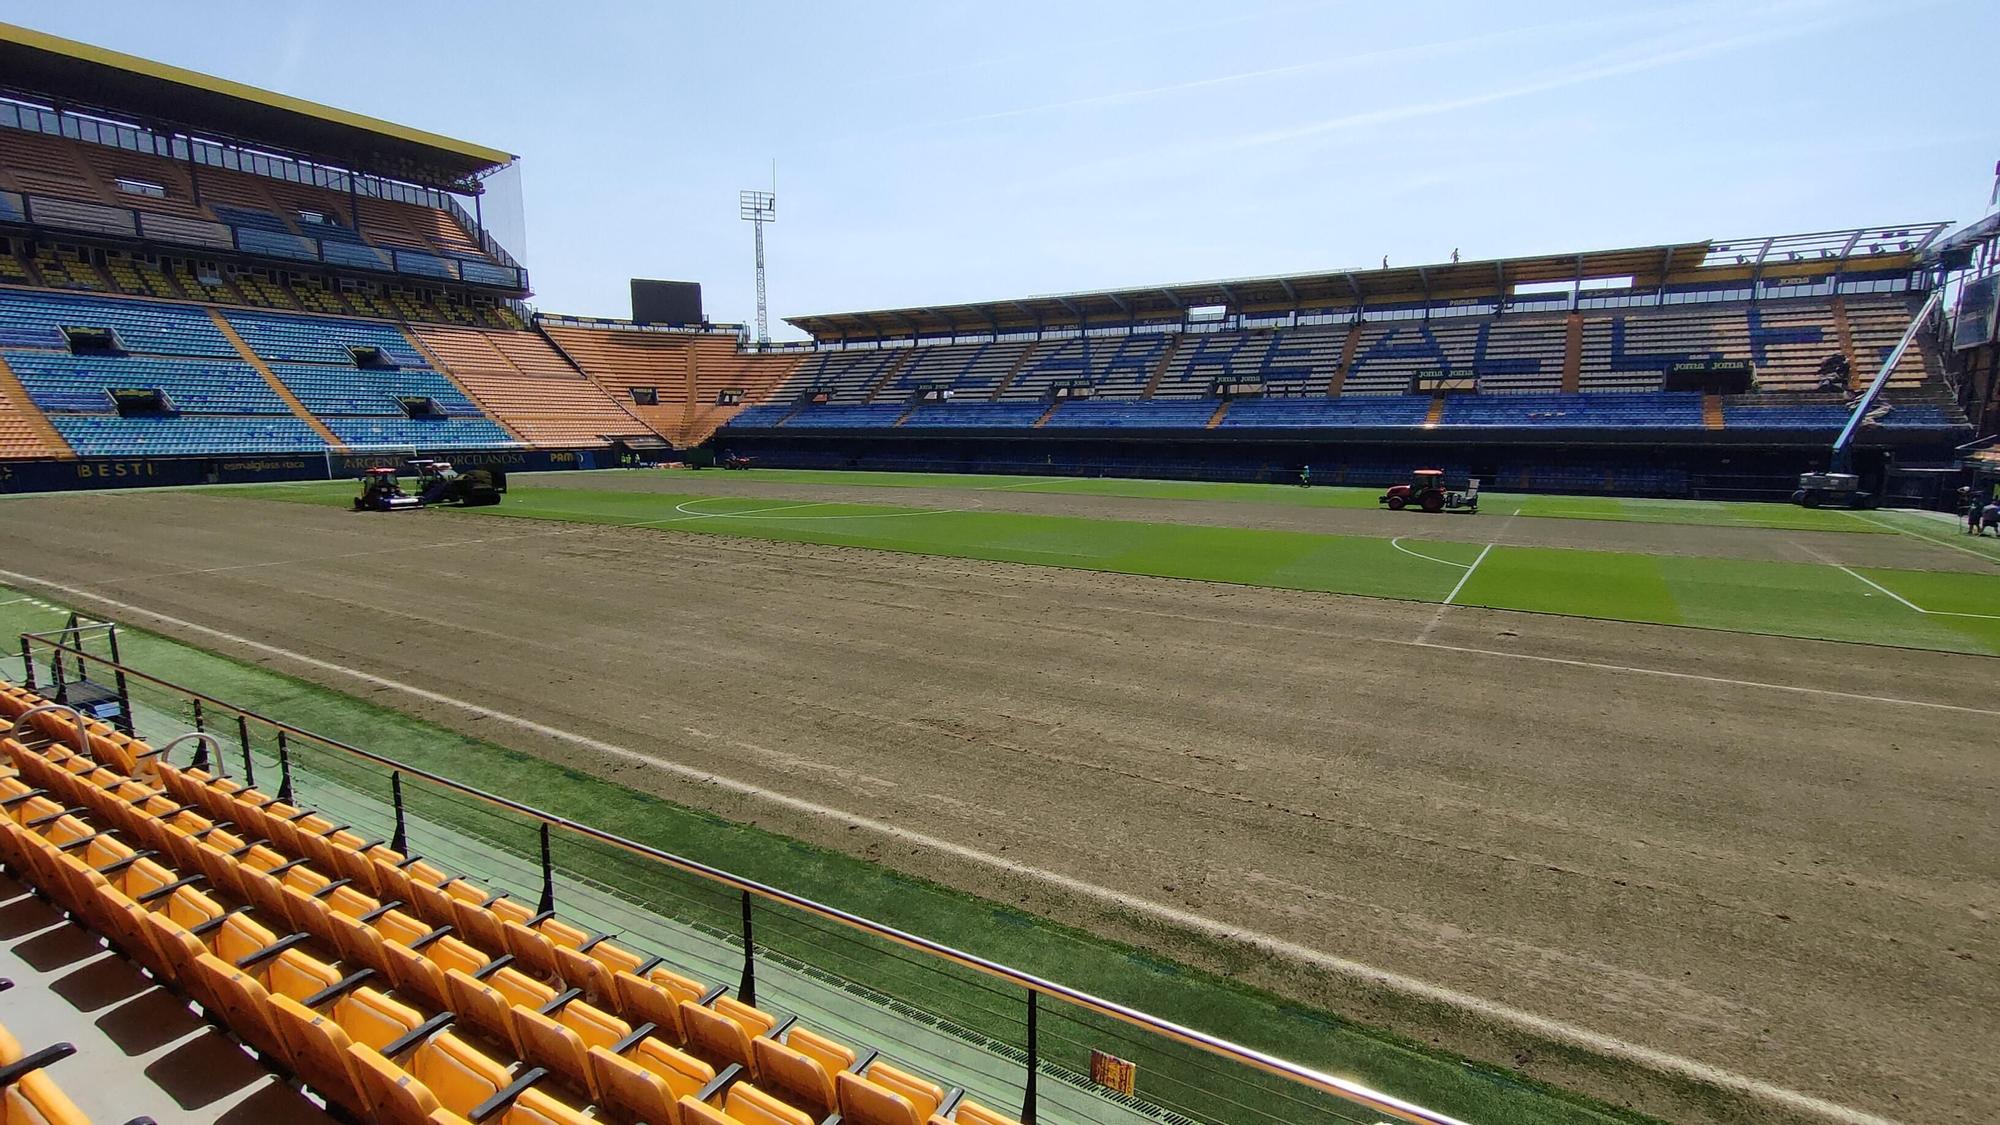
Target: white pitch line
(1920, 536)
(1398, 544)
(1521, 1018)
(1467, 576)
(1884, 589)
(1921, 609)
(1041, 481)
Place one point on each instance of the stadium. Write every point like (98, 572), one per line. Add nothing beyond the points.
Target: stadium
(1548, 688)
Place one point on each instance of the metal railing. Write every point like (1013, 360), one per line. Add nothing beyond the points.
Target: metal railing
(1009, 1033)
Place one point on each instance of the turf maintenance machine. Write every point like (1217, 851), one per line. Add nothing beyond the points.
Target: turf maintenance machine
(382, 492)
(1427, 492)
(439, 483)
(1840, 486)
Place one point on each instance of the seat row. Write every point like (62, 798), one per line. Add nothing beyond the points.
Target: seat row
(324, 914)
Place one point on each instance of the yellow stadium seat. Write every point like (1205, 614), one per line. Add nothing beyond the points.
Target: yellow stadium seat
(715, 1037)
(865, 1103)
(795, 1076)
(751, 1106)
(656, 999)
(923, 1095)
(317, 1049)
(969, 1112)
(630, 1089)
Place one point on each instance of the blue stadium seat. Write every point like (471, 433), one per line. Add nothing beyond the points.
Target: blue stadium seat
(425, 433)
(156, 327)
(330, 389)
(187, 435)
(831, 417)
(1133, 414)
(320, 339)
(57, 381)
(975, 415)
(1318, 411)
(1635, 410)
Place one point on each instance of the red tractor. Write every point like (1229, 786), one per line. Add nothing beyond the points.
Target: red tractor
(1427, 492)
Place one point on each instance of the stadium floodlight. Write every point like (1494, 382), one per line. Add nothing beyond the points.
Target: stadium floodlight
(758, 208)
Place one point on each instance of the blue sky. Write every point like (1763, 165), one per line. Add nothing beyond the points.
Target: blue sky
(942, 152)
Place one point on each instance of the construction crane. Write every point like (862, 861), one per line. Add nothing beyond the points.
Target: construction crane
(1840, 486)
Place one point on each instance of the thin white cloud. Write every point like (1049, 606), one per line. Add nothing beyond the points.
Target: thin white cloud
(1794, 20)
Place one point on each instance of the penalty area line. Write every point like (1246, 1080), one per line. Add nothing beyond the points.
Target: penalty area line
(1915, 606)
(1467, 576)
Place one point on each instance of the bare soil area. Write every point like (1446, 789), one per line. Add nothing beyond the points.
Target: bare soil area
(1799, 886)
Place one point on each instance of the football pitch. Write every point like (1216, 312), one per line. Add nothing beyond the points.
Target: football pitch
(1949, 602)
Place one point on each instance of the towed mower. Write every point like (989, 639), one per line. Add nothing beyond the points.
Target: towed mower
(1427, 492)
(439, 483)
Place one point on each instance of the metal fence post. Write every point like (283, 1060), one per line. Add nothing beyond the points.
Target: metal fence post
(284, 770)
(1034, 1060)
(27, 664)
(125, 721)
(243, 737)
(400, 841)
(548, 902)
(200, 720)
(746, 989)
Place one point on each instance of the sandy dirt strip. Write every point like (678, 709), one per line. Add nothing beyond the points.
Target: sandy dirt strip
(1797, 886)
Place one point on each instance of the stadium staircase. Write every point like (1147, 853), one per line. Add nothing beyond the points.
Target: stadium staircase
(889, 375)
(1572, 376)
(1160, 368)
(24, 430)
(1347, 351)
(1711, 412)
(1435, 414)
(390, 985)
(277, 385)
(1215, 419)
(1845, 332)
(1014, 372)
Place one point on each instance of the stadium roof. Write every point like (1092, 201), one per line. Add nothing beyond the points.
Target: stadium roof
(1876, 247)
(99, 81)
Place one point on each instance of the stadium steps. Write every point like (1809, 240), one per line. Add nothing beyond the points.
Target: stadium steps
(1845, 333)
(1573, 353)
(179, 846)
(1014, 372)
(438, 365)
(139, 1050)
(907, 411)
(24, 430)
(1711, 411)
(1435, 414)
(889, 375)
(1347, 350)
(1054, 405)
(292, 402)
(1160, 368)
(1215, 419)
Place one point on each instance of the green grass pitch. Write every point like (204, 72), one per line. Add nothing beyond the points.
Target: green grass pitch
(1919, 609)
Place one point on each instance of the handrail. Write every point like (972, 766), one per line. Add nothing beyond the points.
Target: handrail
(1326, 1083)
(76, 720)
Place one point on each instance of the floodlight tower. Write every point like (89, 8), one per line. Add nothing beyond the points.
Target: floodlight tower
(758, 208)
